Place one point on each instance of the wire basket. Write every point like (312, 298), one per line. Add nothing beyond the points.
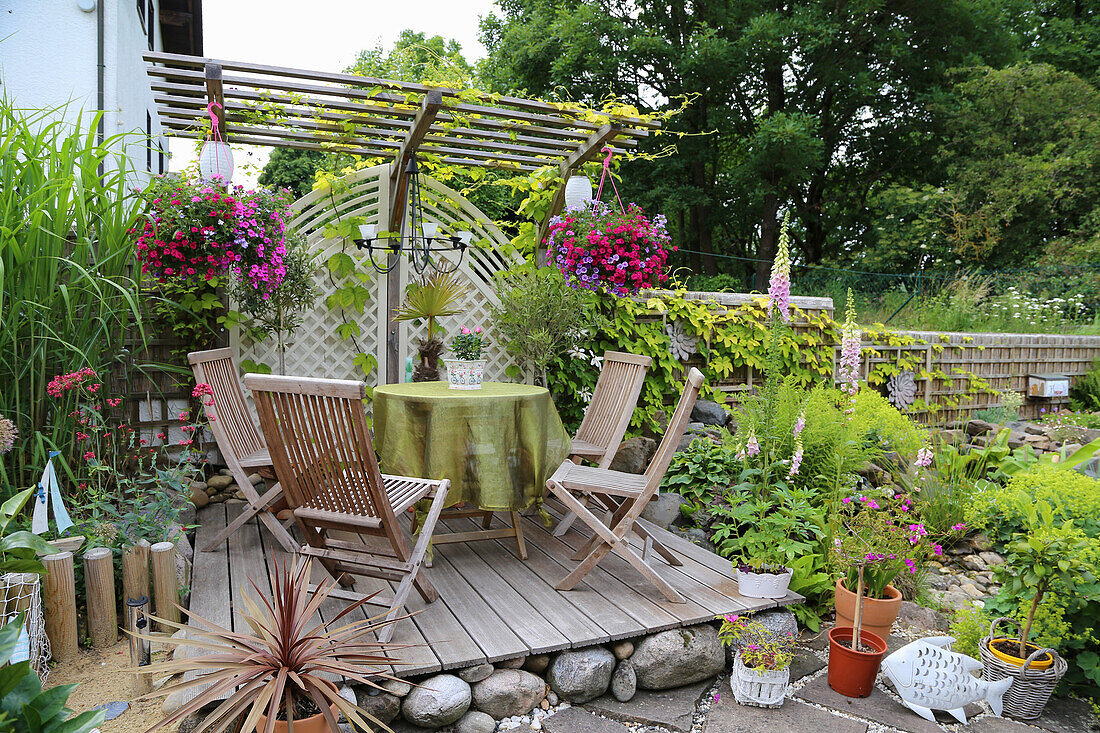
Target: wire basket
(1031, 688)
(761, 689)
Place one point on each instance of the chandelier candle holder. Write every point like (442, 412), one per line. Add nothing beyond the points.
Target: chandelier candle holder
(422, 240)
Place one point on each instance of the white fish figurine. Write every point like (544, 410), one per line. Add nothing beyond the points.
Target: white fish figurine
(929, 676)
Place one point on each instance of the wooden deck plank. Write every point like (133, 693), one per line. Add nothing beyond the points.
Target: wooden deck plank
(246, 562)
(209, 584)
(491, 636)
(593, 605)
(533, 627)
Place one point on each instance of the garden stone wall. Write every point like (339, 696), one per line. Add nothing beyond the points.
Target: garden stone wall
(525, 690)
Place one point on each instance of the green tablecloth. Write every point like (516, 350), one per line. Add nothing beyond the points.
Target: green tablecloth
(497, 445)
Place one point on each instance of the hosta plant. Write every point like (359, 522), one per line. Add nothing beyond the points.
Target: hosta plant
(279, 667)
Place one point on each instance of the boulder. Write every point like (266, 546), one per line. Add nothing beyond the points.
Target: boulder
(476, 673)
(199, 498)
(622, 649)
(979, 427)
(219, 482)
(664, 509)
(921, 618)
(255, 479)
(710, 413)
(437, 701)
(508, 692)
(581, 675)
(385, 707)
(624, 681)
(1016, 439)
(633, 455)
(974, 562)
(475, 721)
(678, 657)
(991, 558)
(397, 687)
(513, 663)
(537, 663)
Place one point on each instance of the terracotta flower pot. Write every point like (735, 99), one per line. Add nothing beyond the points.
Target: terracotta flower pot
(852, 672)
(312, 724)
(879, 614)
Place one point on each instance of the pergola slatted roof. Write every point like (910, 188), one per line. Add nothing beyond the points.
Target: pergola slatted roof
(314, 110)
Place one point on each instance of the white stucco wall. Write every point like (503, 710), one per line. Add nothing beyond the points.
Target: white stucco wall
(48, 59)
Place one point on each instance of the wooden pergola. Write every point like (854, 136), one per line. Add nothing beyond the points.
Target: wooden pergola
(382, 118)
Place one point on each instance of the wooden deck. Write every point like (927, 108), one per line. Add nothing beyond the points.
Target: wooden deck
(492, 605)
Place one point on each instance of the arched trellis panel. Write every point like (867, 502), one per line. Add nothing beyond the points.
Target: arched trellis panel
(318, 349)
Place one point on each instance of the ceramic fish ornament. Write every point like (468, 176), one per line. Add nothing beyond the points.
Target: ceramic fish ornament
(928, 676)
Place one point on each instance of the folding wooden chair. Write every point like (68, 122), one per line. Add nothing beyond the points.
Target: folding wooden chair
(608, 415)
(240, 444)
(632, 492)
(317, 432)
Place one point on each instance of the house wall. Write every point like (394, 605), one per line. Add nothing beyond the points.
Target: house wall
(48, 59)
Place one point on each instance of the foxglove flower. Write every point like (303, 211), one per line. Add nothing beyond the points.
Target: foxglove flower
(850, 347)
(924, 458)
(779, 287)
(752, 447)
(796, 459)
(800, 423)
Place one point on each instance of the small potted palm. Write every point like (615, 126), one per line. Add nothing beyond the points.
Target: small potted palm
(761, 666)
(274, 678)
(1048, 556)
(428, 299)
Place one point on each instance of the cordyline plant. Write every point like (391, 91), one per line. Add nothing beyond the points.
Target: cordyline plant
(279, 664)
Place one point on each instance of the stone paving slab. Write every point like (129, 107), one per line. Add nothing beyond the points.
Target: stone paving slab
(993, 724)
(1066, 715)
(727, 716)
(575, 720)
(804, 664)
(672, 709)
(878, 707)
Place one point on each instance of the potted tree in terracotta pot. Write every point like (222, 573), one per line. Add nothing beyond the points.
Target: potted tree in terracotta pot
(874, 540)
(1048, 557)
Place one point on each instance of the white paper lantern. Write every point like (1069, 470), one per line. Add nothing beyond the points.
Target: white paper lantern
(216, 162)
(578, 191)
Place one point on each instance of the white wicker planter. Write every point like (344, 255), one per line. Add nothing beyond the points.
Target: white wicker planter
(464, 373)
(763, 585)
(761, 689)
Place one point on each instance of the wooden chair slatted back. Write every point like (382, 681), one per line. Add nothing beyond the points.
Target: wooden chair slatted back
(613, 400)
(233, 427)
(317, 433)
(676, 426)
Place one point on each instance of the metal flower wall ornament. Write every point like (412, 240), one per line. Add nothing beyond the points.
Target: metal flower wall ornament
(902, 390)
(682, 344)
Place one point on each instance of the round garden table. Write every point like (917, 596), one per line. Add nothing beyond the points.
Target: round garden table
(498, 445)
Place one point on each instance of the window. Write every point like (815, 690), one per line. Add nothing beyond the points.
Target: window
(160, 153)
(150, 26)
(148, 142)
(141, 12)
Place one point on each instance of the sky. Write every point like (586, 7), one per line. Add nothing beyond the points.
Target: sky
(322, 35)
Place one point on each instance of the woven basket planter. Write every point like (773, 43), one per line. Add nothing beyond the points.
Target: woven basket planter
(761, 689)
(1031, 688)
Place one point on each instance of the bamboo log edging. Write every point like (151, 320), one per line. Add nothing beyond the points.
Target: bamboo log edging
(59, 590)
(135, 573)
(99, 584)
(165, 585)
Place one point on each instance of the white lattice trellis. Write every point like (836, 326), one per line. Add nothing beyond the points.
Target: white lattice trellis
(316, 349)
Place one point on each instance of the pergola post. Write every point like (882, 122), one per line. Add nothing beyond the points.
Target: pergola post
(584, 153)
(216, 93)
(398, 202)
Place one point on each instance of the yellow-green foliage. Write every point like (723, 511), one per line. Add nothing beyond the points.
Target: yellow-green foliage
(885, 425)
(1072, 495)
(971, 624)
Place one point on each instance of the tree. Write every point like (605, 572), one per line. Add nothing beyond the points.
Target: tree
(414, 57)
(292, 169)
(804, 104)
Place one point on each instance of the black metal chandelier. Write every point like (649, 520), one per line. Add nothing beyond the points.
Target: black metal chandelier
(423, 237)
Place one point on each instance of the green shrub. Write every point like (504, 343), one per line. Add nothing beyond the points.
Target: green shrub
(1072, 495)
(702, 471)
(882, 423)
(1084, 395)
(970, 626)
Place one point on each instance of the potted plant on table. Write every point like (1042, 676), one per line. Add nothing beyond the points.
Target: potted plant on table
(1048, 556)
(466, 371)
(761, 666)
(275, 676)
(429, 299)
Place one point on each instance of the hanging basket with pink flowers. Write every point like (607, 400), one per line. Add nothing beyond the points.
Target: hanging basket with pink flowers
(619, 251)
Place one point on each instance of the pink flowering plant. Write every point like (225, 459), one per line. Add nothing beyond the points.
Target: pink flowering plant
(879, 536)
(469, 343)
(596, 248)
(760, 649)
(128, 488)
(198, 231)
